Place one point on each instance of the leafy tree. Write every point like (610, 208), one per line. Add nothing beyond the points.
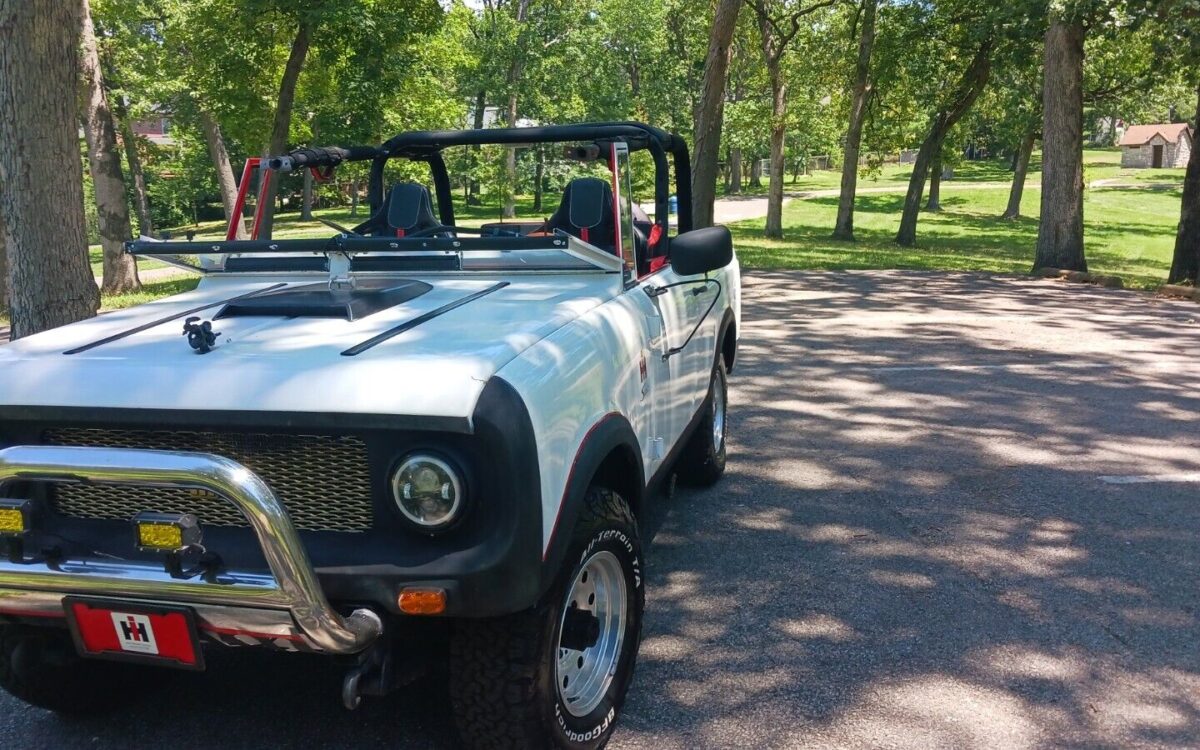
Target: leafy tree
(779, 23)
(747, 126)
(962, 41)
(1071, 22)
(119, 269)
(861, 87)
(710, 112)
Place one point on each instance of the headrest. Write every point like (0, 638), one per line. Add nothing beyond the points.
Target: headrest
(408, 205)
(589, 200)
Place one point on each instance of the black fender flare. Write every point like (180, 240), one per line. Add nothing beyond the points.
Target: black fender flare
(612, 432)
(728, 324)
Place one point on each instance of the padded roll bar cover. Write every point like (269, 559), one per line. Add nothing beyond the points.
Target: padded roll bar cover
(324, 156)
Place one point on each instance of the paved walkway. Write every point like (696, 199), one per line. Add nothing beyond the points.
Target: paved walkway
(146, 275)
(960, 512)
(729, 209)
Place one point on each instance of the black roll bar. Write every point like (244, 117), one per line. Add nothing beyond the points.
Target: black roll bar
(427, 146)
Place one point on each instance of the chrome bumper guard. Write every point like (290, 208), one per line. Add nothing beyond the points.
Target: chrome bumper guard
(236, 600)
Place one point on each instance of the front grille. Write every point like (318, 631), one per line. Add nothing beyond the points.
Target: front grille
(323, 481)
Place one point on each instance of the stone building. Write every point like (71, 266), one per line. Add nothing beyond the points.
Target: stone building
(1167, 145)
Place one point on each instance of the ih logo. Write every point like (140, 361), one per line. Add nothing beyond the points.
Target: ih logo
(134, 633)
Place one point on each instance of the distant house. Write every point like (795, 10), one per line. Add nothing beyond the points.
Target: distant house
(157, 131)
(1157, 145)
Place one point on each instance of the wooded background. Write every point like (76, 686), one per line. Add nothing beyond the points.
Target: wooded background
(757, 86)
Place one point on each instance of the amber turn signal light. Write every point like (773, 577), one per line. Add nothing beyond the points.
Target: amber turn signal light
(422, 601)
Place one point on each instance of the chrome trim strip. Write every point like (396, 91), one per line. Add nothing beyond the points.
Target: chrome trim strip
(294, 586)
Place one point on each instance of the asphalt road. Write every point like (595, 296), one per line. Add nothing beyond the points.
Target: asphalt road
(960, 512)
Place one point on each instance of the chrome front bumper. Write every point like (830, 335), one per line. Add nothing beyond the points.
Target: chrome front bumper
(235, 602)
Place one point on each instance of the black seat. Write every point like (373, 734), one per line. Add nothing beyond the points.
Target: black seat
(407, 210)
(410, 209)
(586, 211)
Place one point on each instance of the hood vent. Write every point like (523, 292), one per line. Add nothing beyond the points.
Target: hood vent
(319, 301)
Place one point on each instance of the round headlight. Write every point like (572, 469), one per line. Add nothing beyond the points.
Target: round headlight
(428, 491)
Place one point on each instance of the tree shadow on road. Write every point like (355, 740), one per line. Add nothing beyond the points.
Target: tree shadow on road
(913, 544)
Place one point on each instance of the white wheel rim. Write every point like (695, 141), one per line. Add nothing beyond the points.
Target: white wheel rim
(718, 420)
(583, 677)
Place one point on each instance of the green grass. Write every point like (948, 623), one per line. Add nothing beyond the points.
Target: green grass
(96, 258)
(1128, 232)
(150, 291)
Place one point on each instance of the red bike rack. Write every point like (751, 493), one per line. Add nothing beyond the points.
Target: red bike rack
(260, 205)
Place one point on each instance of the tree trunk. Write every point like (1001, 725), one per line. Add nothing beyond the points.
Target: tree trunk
(306, 201)
(935, 183)
(1060, 231)
(735, 170)
(225, 178)
(3, 271)
(774, 225)
(860, 96)
(756, 172)
(112, 208)
(1185, 266)
(710, 113)
(40, 169)
(959, 103)
(916, 186)
(473, 178)
(283, 117)
(1020, 170)
(515, 70)
(510, 163)
(141, 200)
(538, 176)
(354, 197)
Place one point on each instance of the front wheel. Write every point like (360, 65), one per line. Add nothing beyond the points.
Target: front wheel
(556, 676)
(703, 459)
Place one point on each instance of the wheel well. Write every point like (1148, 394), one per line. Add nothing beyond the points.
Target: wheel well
(619, 471)
(729, 346)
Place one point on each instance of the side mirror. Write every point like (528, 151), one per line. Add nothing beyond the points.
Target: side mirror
(701, 250)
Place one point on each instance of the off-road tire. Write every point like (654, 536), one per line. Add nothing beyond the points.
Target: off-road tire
(502, 670)
(40, 666)
(702, 461)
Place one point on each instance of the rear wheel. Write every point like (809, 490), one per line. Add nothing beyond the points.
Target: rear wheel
(41, 667)
(556, 676)
(703, 459)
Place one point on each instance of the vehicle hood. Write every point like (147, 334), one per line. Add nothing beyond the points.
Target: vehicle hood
(275, 364)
